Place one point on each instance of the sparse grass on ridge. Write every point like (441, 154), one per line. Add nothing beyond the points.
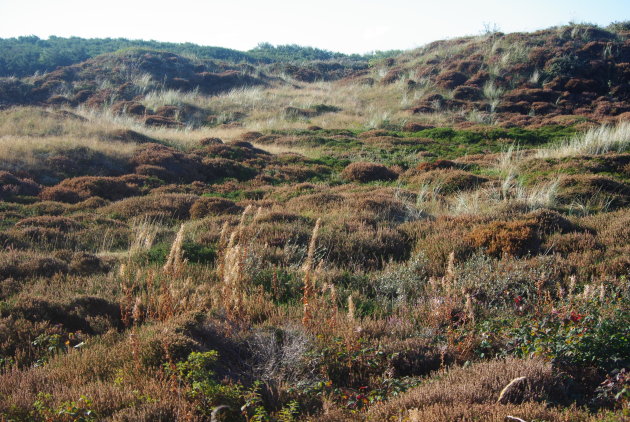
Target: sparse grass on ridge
(599, 140)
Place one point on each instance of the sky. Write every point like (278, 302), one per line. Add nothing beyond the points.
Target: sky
(348, 26)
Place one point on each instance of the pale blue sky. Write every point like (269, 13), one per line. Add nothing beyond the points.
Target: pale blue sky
(350, 26)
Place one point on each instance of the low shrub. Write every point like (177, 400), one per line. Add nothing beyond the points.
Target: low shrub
(208, 206)
(63, 224)
(173, 205)
(11, 186)
(178, 166)
(81, 188)
(448, 181)
(356, 243)
(512, 238)
(364, 172)
(477, 384)
(128, 135)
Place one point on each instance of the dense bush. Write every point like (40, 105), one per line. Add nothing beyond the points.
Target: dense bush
(81, 188)
(512, 238)
(208, 206)
(166, 206)
(367, 172)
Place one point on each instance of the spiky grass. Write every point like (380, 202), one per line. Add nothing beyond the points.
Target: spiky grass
(599, 140)
(308, 296)
(175, 260)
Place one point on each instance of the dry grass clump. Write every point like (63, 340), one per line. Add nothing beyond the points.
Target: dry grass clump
(208, 206)
(174, 205)
(478, 384)
(599, 140)
(81, 188)
(364, 172)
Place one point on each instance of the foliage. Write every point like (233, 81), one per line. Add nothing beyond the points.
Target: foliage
(205, 391)
(26, 55)
(71, 411)
(583, 338)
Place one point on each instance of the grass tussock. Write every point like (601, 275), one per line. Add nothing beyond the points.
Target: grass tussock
(599, 140)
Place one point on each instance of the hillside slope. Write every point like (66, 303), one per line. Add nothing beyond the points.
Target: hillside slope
(440, 236)
(519, 77)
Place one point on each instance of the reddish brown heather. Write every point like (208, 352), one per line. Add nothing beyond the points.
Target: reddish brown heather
(166, 205)
(392, 76)
(63, 224)
(446, 181)
(11, 186)
(128, 135)
(210, 141)
(154, 120)
(129, 107)
(437, 165)
(364, 172)
(512, 238)
(80, 188)
(450, 79)
(250, 136)
(176, 164)
(207, 206)
(415, 127)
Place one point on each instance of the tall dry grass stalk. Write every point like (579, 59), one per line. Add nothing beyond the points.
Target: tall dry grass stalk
(231, 266)
(351, 309)
(308, 296)
(144, 230)
(175, 260)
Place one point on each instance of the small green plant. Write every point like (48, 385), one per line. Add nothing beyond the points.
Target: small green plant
(577, 338)
(197, 371)
(48, 346)
(70, 411)
(254, 409)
